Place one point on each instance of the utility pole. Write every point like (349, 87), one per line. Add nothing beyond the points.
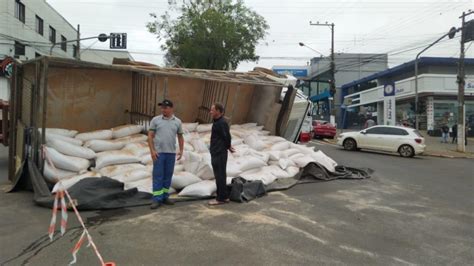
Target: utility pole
(332, 82)
(78, 43)
(461, 83)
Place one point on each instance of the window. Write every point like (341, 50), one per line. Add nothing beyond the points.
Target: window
(376, 130)
(39, 25)
(395, 131)
(52, 34)
(63, 43)
(20, 11)
(19, 49)
(74, 51)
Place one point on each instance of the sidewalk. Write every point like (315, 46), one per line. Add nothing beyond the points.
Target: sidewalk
(434, 147)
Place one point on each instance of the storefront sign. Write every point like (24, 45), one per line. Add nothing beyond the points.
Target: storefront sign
(389, 104)
(469, 85)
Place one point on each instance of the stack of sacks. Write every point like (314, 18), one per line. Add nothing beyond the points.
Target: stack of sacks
(123, 154)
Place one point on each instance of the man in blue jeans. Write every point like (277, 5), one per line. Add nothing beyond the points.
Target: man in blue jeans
(162, 142)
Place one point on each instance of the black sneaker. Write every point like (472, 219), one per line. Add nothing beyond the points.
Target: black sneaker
(155, 205)
(168, 202)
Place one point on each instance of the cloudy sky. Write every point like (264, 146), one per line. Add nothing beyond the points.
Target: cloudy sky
(400, 28)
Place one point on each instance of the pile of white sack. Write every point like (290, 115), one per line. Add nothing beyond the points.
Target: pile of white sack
(122, 154)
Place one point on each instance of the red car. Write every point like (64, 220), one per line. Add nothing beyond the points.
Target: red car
(323, 129)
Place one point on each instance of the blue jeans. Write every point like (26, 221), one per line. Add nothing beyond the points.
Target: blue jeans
(163, 169)
(444, 137)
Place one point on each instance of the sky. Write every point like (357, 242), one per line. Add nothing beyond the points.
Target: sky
(400, 28)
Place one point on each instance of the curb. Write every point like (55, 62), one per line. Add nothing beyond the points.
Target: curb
(447, 156)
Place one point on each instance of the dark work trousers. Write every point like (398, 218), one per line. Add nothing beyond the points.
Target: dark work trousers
(219, 165)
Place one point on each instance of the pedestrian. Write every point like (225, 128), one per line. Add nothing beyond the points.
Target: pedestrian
(466, 132)
(444, 133)
(454, 130)
(164, 129)
(220, 145)
(369, 123)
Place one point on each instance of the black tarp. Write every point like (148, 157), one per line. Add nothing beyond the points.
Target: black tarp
(105, 193)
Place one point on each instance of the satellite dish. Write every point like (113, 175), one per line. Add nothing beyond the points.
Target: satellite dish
(452, 32)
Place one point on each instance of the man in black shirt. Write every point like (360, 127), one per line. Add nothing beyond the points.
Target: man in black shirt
(220, 144)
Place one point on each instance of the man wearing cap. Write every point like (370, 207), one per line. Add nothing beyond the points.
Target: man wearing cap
(162, 143)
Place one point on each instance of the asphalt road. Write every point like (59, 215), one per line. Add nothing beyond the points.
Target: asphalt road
(412, 211)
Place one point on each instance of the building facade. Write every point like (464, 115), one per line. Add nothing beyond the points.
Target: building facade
(349, 67)
(28, 29)
(437, 95)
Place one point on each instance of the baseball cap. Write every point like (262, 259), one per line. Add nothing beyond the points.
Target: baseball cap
(165, 103)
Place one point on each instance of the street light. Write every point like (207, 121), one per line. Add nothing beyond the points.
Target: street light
(302, 44)
(450, 34)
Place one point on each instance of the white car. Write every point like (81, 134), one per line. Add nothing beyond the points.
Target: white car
(408, 142)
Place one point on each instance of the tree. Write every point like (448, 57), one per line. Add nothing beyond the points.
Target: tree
(209, 34)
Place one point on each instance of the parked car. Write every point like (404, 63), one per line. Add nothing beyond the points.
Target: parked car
(408, 142)
(323, 129)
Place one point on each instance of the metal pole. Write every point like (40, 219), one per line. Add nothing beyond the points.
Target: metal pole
(416, 92)
(78, 44)
(416, 71)
(333, 79)
(461, 82)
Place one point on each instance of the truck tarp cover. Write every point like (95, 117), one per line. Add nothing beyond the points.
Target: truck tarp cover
(105, 193)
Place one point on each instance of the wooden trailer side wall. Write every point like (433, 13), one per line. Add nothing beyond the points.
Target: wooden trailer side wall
(88, 99)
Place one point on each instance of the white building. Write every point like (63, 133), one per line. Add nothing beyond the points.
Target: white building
(28, 28)
(437, 93)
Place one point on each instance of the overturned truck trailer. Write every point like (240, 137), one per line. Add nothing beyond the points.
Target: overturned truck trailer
(51, 92)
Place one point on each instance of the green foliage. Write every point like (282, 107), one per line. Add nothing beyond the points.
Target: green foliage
(209, 34)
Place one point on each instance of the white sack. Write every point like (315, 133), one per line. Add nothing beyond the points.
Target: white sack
(204, 128)
(132, 176)
(280, 146)
(265, 177)
(114, 170)
(237, 142)
(178, 168)
(190, 127)
(132, 139)
(325, 160)
(52, 176)
(284, 163)
(199, 145)
(183, 179)
(146, 159)
(205, 170)
(192, 161)
(233, 169)
(276, 171)
(126, 130)
(292, 171)
(302, 161)
(71, 149)
(248, 163)
(107, 158)
(303, 149)
(290, 152)
(274, 155)
(264, 156)
(59, 131)
(204, 188)
(228, 181)
(50, 137)
(248, 125)
(65, 162)
(275, 139)
(98, 145)
(137, 148)
(68, 182)
(98, 134)
(142, 185)
(254, 142)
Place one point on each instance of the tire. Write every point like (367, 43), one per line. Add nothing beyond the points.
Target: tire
(350, 144)
(406, 151)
